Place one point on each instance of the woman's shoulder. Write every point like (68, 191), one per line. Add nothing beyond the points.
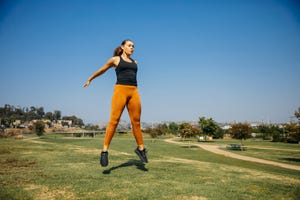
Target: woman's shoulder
(115, 60)
(133, 60)
(115, 57)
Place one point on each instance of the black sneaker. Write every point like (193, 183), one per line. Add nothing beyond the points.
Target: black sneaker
(141, 154)
(104, 158)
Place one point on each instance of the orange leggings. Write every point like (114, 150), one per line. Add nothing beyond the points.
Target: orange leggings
(125, 95)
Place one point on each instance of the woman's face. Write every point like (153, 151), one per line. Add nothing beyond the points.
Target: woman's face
(128, 47)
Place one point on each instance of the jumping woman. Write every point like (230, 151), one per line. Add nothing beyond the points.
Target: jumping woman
(125, 94)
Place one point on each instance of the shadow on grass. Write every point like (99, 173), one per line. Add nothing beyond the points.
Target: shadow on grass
(188, 147)
(139, 165)
(291, 159)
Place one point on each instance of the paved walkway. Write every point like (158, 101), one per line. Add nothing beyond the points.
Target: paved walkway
(217, 150)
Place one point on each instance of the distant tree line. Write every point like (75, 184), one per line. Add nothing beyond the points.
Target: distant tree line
(289, 132)
(205, 126)
(75, 120)
(9, 114)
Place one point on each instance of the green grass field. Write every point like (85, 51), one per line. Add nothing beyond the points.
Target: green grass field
(57, 167)
(279, 152)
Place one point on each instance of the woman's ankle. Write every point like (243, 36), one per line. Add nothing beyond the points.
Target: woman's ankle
(141, 147)
(105, 149)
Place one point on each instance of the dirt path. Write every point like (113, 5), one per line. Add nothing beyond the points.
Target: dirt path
(215, 149)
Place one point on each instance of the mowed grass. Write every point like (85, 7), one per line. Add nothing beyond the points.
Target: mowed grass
(57, 167)
(274, 151)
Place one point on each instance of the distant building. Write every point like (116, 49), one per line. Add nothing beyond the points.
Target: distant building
(63, 123)
(226, 127)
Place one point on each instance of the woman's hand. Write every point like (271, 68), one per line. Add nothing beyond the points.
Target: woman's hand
(87, 83)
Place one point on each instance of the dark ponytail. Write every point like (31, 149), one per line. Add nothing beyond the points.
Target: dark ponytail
(118, 51)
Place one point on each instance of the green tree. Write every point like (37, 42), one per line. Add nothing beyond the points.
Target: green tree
(269, 131)
(173, 128)
(40, 112)
(160, 129)
(19, 112)
(57, 115)
(32, 114)
(39, 128)
(241, 131)
(208, 126)
(154, 132)
(75, 120)
(92, 127)
(219, 133)
(6, 115)
(297, 114)
(293, 132)
(297, 134)
(49, 115)
(264, 130)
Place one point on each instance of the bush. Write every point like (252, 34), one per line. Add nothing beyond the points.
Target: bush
(292, 141)
(39, 128)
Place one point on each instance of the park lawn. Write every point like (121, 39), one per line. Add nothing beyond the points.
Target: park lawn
(56, 167)
(274, 151)
(277, 154)
(250, 143)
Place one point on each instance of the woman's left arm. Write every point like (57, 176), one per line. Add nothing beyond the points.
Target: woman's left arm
(110, 63)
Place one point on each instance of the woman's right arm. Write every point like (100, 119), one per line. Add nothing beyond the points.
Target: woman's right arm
(110, 63)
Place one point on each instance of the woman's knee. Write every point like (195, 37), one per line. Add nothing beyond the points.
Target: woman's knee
(136, 122)
(113, 122)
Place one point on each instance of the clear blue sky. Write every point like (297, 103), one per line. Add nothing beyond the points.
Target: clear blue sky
(232, 60)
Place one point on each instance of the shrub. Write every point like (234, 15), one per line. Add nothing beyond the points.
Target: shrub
(39, 128)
